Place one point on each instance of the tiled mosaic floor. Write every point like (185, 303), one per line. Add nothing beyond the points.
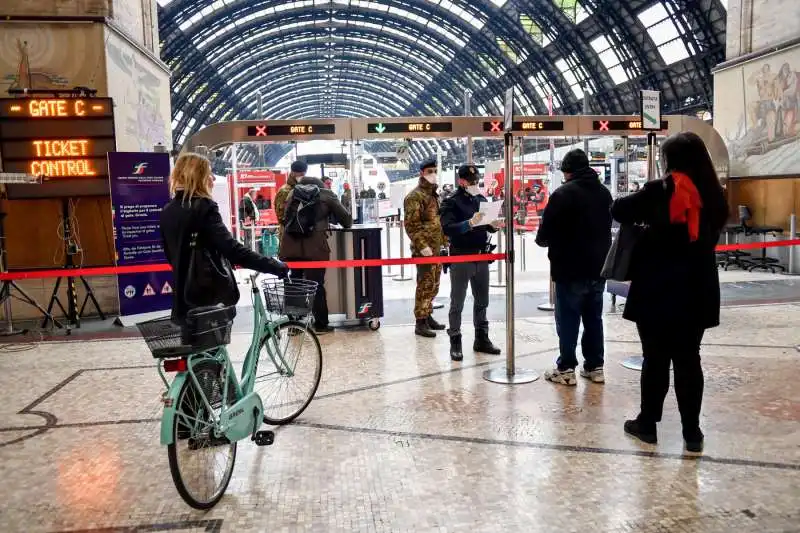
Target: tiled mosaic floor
(401, 439)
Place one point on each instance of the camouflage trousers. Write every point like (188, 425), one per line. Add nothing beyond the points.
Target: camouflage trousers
(428, 277)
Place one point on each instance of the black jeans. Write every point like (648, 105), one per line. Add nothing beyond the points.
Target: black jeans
(662, 345)
(320, 307)
(576, 302)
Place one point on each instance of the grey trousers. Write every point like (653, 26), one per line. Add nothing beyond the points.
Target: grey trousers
(476, 275)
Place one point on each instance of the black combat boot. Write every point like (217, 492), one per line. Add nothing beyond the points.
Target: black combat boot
(434, 325)
(455, 348)
(484, 345)
(423, 329)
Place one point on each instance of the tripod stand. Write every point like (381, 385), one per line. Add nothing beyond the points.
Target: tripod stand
(72, 313)
(6, 294)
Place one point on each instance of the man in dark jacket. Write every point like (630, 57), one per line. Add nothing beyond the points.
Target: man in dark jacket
(576, 227)
(314, 247)
(463, 224)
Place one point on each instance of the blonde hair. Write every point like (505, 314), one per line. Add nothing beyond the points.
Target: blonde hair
(190, 175)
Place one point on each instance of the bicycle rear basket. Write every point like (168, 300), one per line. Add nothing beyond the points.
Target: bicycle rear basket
(206, 328)
(162, 337)
(291, 297)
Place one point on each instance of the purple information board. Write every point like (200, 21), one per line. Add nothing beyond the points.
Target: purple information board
(139, 190)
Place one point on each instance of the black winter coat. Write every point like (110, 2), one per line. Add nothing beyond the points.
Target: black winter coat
(674, 281)
(576, 228)
(178, 221)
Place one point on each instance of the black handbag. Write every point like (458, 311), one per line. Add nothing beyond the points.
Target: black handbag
(617, 265)
(209, 279)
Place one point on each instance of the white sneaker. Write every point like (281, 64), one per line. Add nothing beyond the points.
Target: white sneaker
(565, 377)
(596, 375)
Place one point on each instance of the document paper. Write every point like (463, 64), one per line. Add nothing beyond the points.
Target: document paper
(491, 211)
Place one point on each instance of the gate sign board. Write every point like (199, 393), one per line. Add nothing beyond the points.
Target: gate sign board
(139, 190)
(651, 110)
(508, 111)
(64, 140)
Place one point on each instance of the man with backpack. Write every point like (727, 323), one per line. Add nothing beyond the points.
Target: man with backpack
(309, 207)
(296, 173)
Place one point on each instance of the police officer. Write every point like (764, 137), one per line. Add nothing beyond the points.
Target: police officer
(424, 229)
(469, 234)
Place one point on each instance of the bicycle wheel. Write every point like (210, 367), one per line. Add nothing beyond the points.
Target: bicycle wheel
(201, 463)
(287, 387)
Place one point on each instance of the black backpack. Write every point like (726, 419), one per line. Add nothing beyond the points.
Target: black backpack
(301, 217)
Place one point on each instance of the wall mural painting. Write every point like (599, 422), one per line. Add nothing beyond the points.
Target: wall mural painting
(38, 57)
(761, 121)
(141, 95)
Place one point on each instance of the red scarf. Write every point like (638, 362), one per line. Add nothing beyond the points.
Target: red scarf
(685, 204)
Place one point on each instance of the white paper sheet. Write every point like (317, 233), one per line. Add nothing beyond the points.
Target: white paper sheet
(491, 211)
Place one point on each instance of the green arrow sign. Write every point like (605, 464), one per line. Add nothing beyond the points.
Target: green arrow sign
(380, 128)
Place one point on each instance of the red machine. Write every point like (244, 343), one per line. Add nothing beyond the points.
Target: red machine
(530, 193)
(266, 184)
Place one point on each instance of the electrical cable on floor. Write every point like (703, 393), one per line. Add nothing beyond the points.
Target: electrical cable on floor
(17, 347)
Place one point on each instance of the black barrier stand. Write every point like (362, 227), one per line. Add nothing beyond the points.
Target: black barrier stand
(72, 313)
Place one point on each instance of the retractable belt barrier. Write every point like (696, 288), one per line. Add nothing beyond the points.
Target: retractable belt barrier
(353, 263)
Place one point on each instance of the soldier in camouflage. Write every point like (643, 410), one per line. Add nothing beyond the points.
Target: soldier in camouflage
(424, 229)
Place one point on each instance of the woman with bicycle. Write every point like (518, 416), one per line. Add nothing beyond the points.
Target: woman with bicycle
(199, 246)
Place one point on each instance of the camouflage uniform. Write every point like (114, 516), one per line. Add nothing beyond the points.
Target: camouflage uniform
(424, 228)
(280, 201)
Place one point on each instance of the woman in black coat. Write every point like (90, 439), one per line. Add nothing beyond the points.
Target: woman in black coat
(192, 210)
(674, 295)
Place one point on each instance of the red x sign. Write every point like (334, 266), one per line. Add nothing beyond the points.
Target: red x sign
(497, 126)
(261, 131)
(604, 125)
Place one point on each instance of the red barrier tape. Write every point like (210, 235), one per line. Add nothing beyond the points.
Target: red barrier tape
(355, 263)
(757, 245)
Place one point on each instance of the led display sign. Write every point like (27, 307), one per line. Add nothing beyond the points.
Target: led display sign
(410, 127)
(62, 108)
(58, 138)
(287, 130)
(622, 125)
(496, 126)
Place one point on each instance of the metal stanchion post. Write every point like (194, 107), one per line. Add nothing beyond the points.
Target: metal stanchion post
(551, 302)
(636, 362)
(388, 273)
(523, 250)
(402, 276)
(510, 375)
(500, 264)
(792, 235)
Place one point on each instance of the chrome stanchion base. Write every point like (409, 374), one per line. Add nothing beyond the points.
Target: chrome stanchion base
(633, 363)
(401, 277)
(438, 305)
(500, 375)
(546, 307)
(497, 285)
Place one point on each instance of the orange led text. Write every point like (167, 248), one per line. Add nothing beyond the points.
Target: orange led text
(63, 167)
(68, 148)
(57, 108)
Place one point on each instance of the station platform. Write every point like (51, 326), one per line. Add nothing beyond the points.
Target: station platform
(399, 438)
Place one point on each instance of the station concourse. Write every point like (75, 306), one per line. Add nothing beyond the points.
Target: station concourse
(120, 419)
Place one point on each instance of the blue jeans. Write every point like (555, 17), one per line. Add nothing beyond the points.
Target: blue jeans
(576, 301)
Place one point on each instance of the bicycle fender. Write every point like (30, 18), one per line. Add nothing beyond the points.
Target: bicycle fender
(170, 404)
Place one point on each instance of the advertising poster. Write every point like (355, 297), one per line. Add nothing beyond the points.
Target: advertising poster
(139, 190)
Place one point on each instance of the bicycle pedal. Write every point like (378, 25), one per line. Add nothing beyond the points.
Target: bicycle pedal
(264, 438)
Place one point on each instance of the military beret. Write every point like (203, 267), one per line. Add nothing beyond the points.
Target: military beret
(428, 163)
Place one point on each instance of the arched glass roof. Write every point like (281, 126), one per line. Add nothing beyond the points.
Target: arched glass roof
(341, 58)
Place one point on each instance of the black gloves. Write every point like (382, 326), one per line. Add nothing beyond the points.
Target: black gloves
(279, 268)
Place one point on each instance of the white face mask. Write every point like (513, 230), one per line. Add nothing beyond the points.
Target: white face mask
(432, 178)
(473, 190)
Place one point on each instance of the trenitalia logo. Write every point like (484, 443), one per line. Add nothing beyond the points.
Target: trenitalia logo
(139, 169)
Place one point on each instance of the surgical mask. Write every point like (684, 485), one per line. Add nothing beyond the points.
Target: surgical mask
(432, 178)
(473, 190)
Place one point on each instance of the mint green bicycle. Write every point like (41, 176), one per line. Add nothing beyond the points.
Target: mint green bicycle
(207, 410)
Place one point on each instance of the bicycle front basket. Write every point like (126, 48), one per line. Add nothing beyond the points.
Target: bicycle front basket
(291, 297)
